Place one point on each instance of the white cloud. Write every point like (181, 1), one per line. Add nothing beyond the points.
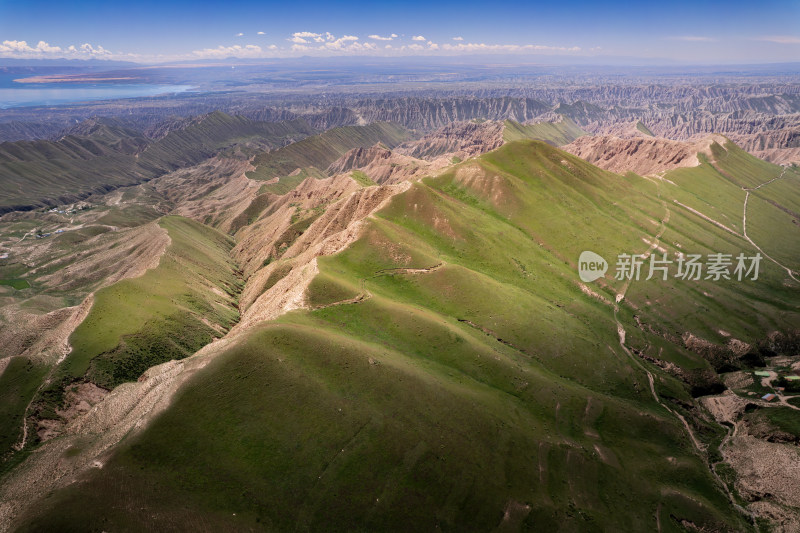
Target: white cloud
(301, 43)
(43, 49)
(89, 49)
(352, 45)
(303, 37)
(458, 38)
(694, 39)
(328, 43)
(222, 52)
(22, 47)
(780, 39)
(346, 42)
(260, 33)
(508, 48)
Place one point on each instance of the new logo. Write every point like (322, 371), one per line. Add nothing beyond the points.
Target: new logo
(591, 266)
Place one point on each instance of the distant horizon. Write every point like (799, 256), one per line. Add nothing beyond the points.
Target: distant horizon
(151, 32)
(545, 61)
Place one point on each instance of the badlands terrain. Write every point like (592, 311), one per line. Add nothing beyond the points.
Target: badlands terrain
(259, 311)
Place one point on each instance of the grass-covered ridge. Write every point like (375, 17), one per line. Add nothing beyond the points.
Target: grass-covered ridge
(644, 129)
(475, 385)
(557, 133)
(319, 151)
(105, 155)
(168, 313)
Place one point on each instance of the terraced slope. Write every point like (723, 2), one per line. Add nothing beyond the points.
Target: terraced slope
(451, 372)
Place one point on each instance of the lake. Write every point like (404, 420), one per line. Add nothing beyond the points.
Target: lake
(47, 94)
(13, 94)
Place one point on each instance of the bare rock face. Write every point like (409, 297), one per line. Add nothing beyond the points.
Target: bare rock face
(359, 158)
(381, 165)
(414, 159)
(462, 139)
(213, 192)
(642, 155)
(780, 146)
(431, 113)
(625, 130)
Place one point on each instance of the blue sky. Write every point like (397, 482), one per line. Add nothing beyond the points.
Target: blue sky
(167, 30)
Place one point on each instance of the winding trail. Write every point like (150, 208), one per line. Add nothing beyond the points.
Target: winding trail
(731, 433)
(744, 225)
(744, 235)
(708, 219)
(23, 237)
(621, 334)
(699, 446)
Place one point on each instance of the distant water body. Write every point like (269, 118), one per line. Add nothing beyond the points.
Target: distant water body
(14, 94)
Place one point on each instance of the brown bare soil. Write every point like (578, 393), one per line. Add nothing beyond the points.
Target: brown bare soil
(765, 469)
(642, 155)
(214, 192)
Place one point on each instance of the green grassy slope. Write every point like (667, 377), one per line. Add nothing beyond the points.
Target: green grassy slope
(438, 438)
(168, 313)
(319, 151)
(18, 385)
(362, 179)
(746, 310)
(644, 129)
(288, 183)
(482, 389)
(558, 133)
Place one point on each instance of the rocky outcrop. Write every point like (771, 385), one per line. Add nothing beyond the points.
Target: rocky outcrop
(381, 165)
(359, 158)
(462, 140)
(776, 146)
(432, 113)
(642, 155)
(414, 159)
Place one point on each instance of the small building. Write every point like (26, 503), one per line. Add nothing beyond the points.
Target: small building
(792, 378)
(768, 397)
(762, 373)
